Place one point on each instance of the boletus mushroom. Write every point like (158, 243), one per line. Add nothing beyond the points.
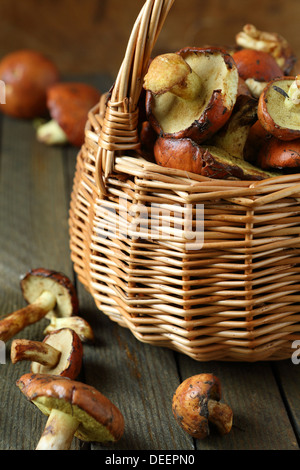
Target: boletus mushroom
(257, 68)
(73, 409)
(68, 104)
(27, 75)
(76, 323)
(196, 404)
(191, 93)
(272, 43)
(205, 160)
(47, 293)
(279, 108)
(60, 353)
(278, 154)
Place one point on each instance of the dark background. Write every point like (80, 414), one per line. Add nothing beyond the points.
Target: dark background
(90, 36)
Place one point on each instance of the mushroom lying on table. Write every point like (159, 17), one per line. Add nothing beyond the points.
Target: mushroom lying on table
(27, 74)
(68, 104)
(73, 408)
(60, 353)
(191, 93)
(47, 293)
(76, 323)
(196, 404)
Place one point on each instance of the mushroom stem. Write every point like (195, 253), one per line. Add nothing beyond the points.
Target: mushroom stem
(170, 72)
(17, 321)
(51, 133)
(27, 350)
(293, 96)
(220, 415)
(59, 431)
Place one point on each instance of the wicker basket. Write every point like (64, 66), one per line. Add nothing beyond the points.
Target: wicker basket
(223, 285)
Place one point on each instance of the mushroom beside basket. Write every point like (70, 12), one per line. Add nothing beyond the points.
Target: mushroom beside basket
(199, 263)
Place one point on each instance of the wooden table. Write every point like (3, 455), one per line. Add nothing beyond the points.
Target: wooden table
(35, 187)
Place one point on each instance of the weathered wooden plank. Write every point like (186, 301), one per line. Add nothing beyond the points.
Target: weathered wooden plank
(33, 232)
(288, 377)
(140, 379)
(260, 418)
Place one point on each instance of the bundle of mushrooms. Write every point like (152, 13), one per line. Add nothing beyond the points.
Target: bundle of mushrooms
(226, 113)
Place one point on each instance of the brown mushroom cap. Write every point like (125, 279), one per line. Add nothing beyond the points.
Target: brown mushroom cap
(280, 155)
(68, 343)
(27, 74)
(270, 42)
(256, 64)
(69, 104)
(275, 112)
(38, 280)
(206, 160)
(202, 100)
(190, 405)
(99, 419)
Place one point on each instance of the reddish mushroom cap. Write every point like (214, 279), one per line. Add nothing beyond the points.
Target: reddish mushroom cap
(256, 64)
(69, 104)
(279, 154)
(27, 74)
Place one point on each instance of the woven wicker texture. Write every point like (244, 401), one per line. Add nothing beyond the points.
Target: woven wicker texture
(206, 267)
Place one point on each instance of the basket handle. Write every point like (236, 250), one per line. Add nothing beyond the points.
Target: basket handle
(119, 129)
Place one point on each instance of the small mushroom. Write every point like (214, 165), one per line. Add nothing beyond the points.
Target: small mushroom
(60, 353)
(196, 404)
(78, 324)
(280, 155)
(272, 43)
(73, 409)
(68, 104)
(47, 293)
(191, 93)
(27, 74)
(279, 108)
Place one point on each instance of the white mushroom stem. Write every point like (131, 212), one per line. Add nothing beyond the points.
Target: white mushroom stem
(17, 321)
(171, 73)
(78, 324)
(59, 431)
(293, 95)
(27, 350)
(51, 133)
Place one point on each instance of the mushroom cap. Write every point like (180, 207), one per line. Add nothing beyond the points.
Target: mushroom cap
(280, 155)
(276, 118)
(201, 117)
(256, 64)
(190, 403)
(69, 104)
(39, 280)
(27, 74)
(69, 344)
(206, 160)
(100, 420)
